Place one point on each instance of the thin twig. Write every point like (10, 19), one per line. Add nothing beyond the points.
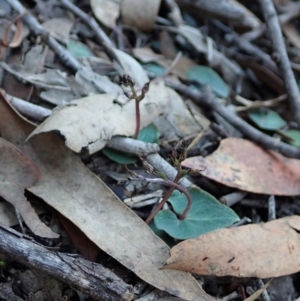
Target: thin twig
(27, 108)
(271, 208)
(209, 100)
(132, 146)
(275, 34)
(230, 297)
(172, 66)
(251, 49)
(264, 294)
(101, 36)
(233, 198)
(165, 167)
(256, 104)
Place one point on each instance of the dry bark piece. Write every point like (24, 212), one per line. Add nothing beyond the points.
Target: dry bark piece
(261, 250)
(241, 164)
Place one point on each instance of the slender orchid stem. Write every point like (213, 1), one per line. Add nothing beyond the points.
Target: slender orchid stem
(164, 200)
(137, 111)
(173, 186)
(137, 118)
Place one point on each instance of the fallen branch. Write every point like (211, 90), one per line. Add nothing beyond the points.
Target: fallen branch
(88, 277)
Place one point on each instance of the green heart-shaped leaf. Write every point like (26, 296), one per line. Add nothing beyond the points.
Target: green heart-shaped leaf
(119, 157)
(78, 49)
(267, 119)
(206, 214)
(154, 69)
(149, 134)
(207, 76)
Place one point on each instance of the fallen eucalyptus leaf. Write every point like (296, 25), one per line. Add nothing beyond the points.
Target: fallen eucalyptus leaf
(260, 250)
(140, 14)
(17, 172)
(241, 164)
(106, 11)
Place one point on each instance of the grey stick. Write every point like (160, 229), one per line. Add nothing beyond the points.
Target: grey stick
(275, 34)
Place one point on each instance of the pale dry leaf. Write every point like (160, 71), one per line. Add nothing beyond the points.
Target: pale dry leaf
(73, 190)
(175, 13)
(167, 45)
(261, 250)
(106, 11)
(87, 123)
(95, 83)
(60, 26)
(242, 164)
(18, 172)
(180, 118)
(131, 67)
(7, 214)
(247, 17)
(147, 55)
(194, 36)
(140, 14)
